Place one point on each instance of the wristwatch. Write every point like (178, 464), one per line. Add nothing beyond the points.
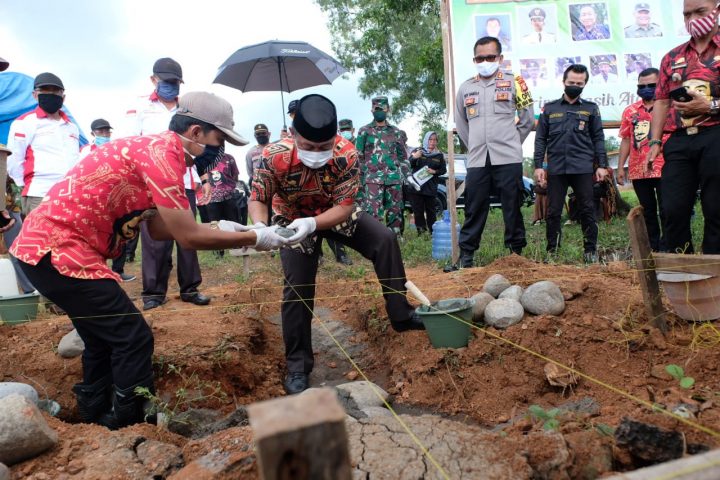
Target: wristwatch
(714, 106)
(654, 142)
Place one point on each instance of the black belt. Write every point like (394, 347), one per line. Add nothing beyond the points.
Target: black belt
(690, 131)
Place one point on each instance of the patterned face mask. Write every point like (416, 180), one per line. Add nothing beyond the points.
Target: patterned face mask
(700, 27)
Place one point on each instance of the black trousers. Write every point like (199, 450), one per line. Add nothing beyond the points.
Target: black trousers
(157, 263)
(479, 181)
(375, 242)
(582, 185)
(118, 264)
(116, 337)
(225, 210)
(337, 248)
(650, 198)
(423, 207)
(692, 161)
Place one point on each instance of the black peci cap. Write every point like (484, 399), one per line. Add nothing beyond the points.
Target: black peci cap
(4, 64)
(99, 124)
(315, 118)
(167, 69)
(48, 79)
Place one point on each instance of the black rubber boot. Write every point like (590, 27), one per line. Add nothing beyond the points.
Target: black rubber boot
(129, 408)
(94, 400)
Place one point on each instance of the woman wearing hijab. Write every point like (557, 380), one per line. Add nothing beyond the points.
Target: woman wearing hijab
(423, 201)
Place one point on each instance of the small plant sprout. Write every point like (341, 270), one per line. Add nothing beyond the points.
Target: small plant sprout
(677, 372)
(548, 417)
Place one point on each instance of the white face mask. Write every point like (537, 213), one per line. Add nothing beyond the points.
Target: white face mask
(314, 160)
(487, 69)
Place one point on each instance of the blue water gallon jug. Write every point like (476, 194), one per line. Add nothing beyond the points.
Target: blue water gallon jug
(441, 237)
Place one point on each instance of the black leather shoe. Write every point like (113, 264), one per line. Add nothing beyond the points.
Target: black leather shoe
(154, 303)
(466, 259)
(197, 298)
(343, 258)
(296, 382)
(413, 323)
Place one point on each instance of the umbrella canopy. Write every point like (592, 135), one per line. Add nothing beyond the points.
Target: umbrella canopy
(278, 66)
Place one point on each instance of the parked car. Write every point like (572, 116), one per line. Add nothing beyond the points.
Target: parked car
(528, 193)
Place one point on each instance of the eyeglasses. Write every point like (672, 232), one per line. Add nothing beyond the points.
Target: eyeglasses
(485, 58)
(649, 85)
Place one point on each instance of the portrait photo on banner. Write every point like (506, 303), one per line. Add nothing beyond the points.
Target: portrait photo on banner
(537, 25)
(562, 63)
(589, 21)
(642, 19)
(495, 25)
(636, 63)
(603, 69)
(534, 71)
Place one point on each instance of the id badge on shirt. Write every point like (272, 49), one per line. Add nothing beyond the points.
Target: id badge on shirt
(471, 107)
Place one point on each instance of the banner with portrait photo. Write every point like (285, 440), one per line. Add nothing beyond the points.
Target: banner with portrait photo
(615, 39)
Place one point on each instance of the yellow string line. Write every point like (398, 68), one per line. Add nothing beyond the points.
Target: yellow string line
(375, 390)
(653, 407)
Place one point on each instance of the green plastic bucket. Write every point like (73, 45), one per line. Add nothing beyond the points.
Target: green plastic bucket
(443, 322)
(18, 308)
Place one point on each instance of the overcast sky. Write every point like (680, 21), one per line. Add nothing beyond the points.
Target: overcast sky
(104, 51)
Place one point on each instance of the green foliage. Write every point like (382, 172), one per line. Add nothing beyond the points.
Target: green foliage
(604, 429)
(612, 144)
(192, 391)
(548, 417)
(397, 45)
(677, 372)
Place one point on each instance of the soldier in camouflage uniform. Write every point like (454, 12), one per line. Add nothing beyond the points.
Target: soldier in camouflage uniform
(383, 167)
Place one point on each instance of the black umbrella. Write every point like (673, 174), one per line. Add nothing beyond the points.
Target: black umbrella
(276, 65)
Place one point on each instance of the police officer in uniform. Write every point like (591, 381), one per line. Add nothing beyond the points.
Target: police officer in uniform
(643, 27)
(570, 132)
(486, 109)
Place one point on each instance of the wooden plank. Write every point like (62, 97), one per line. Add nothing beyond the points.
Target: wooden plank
(301, 437)
(460, 190)
(705, 466)
(450, 106)
(643, 256)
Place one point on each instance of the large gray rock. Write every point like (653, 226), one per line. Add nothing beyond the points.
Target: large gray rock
(27, 391)
(496, 284)
(480, 301)
(363, 394)
(4, 472)
(71, 345)
(24, 433)
(503, 312)
(543, 298)
(514, 292)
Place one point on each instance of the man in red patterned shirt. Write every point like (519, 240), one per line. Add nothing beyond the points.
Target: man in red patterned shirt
(692, 150)
(88, 216)
(635, 133)
(312, 180)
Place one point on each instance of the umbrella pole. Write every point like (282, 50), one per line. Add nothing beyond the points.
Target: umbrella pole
(282, 98)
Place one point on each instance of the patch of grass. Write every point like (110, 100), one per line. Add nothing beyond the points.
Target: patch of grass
(548, 417)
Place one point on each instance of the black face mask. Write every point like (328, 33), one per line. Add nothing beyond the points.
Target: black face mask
(573, 91)
(209, 159)
(262, 139)
(50, 102)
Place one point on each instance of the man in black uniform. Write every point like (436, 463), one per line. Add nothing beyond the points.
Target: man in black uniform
(570, 132)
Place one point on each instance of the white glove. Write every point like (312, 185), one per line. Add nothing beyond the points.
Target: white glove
(304, 227)
(268, 239)
(228, 226)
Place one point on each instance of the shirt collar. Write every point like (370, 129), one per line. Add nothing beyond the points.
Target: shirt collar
(40, 113)
(579, 101)
(715, 40)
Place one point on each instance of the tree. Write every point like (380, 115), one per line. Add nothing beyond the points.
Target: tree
(397, 45)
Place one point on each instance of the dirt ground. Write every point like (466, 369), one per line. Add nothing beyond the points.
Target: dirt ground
(230, 354)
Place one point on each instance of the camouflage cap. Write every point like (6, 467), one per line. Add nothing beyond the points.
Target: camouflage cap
(345, 124)
(381, 101)
(639, 7)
